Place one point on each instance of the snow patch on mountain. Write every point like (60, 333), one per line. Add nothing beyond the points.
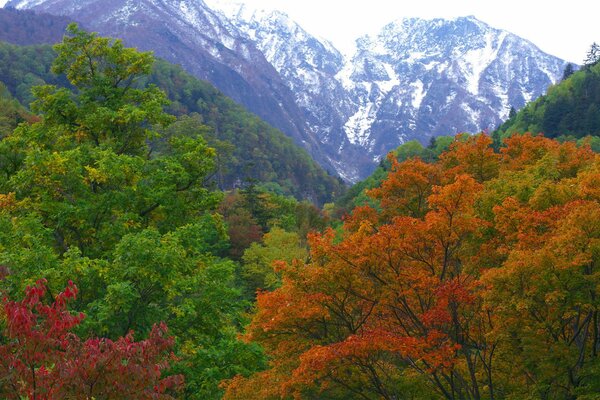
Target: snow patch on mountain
(477, 60)
(357, 126)
(413, 79)
(22, 4)
(418, 93)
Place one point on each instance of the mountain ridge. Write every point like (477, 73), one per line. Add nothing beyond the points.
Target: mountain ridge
(415, 79)
(388, 92)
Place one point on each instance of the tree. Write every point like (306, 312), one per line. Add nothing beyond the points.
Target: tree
(593, 55)
(40, 357)
(386, 306)
(258, 268)
(568, 71)
(485, 289)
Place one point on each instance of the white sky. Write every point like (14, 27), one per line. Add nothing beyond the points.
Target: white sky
(564, 29)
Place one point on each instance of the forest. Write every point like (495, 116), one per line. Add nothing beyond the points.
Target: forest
(130, 268)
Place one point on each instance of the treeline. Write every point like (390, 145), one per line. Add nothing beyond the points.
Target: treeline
(25, 27)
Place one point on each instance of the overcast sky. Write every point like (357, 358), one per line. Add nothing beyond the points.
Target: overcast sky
(562, 28)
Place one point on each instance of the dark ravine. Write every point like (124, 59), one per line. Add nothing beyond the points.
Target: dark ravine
(415, 79)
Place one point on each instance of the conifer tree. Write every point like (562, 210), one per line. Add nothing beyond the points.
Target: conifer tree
(593, 55)
(568, 71)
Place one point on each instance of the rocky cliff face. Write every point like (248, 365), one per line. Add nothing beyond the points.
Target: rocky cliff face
(413, 80)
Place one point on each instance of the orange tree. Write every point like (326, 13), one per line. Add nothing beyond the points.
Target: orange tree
(473, 278)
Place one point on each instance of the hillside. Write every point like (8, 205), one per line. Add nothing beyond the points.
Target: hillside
(256, 151)
(26, 27)
(570, 108)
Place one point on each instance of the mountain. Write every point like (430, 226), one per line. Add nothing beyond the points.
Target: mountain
(413, 80)
(419, 78)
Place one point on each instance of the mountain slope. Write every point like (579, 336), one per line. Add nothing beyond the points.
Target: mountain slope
(27, 27)
(413, 80)
(189, 33)
(308, 66)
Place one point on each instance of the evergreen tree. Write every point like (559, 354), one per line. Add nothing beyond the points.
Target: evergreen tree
(593, 55)
(568, 71)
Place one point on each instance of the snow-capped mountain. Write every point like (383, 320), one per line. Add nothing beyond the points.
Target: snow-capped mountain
(413, 80)
(421, 78)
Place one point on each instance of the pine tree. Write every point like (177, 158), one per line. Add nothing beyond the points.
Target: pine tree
(568, 71)
(593, 55)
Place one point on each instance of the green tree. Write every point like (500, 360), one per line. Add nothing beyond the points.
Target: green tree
(568, 71)
(593, 55)
(258, 261)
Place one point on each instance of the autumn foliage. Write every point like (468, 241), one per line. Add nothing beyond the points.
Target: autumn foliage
(41, 358)
(474, 277)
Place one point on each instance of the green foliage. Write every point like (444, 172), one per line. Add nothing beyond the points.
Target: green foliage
(22, 68)
(260, 152)
(11, 112)
(258, 270)
(86, 198)
(254, 211)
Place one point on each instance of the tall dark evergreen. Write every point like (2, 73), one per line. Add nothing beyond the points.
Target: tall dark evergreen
(593, 55)
(568, 71)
